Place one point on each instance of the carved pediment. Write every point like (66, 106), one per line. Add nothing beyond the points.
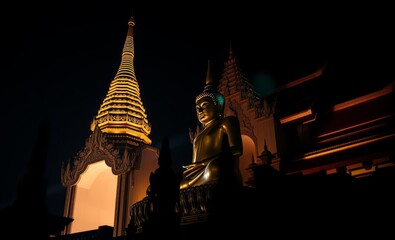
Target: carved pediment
(97, 148)
(246, 126)
(265, 108)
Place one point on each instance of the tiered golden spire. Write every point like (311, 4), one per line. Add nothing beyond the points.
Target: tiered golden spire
(126, 70)
(122, 111)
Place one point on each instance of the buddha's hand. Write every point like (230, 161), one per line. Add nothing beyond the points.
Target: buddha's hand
(193, 165)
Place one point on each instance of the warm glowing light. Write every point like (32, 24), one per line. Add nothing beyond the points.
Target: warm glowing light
(150, 164)
(246, 158)
(363, 99)
(94, 203)
(345, 146)
(331, 171)
(354, 128)
(301, 80)
(128, 132)
(122, 111)
(361, 171)
(296, 116)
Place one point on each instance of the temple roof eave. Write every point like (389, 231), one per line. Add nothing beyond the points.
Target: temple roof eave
(146, 129)
(141, 135)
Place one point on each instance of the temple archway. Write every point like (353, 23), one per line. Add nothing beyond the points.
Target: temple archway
(249, 153)
(95, 198)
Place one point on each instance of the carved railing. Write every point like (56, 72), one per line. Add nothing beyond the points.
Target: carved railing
(193, 206)
(140, 213)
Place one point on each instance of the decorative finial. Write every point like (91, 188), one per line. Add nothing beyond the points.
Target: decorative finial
(266, 155)
(209, 77)
(230, 50)
(131, 21)
(252, 159)
(210, 90)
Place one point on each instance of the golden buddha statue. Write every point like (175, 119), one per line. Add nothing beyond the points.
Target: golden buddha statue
(217, 146)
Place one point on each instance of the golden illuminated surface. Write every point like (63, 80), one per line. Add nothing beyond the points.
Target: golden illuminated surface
(94, 198)
(148, 165)
(208, 145)
(122, 111)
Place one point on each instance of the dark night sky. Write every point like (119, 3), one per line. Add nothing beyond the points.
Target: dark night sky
(57, 62)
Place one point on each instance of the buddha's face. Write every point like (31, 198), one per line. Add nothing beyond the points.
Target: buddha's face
(206, 110)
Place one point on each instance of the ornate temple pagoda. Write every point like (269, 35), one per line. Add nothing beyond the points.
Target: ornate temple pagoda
(111, 171)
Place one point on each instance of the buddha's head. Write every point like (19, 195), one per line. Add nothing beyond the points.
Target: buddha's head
(210, 103)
